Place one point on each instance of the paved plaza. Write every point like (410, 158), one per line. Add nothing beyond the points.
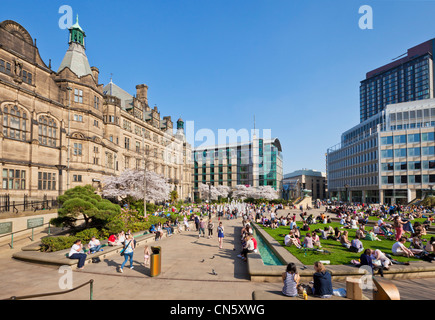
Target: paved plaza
(187, 264)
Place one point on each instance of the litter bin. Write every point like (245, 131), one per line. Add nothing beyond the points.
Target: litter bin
(156, 261)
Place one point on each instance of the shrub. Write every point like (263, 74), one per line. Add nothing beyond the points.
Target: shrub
(52, 244)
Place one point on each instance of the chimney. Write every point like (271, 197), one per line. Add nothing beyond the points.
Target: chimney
(142, 92)
(95, 73)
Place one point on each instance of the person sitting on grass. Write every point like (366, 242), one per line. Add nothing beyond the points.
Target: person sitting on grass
(399, 248)
(430, 245)
(360, 232)
(337, 234)
(308, 241)
(379, 255)
(326, 232)
(356, 245)
(305, 227)
(416, 245)
(344, 240)
(292, 239)
(367, 260)
(371, 235)
(316, 240)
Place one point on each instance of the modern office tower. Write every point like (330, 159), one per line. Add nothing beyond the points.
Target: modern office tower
(388, 156)
(408, 78)
(394, 163)
(295, 182)
(60, 129)
(254, 163)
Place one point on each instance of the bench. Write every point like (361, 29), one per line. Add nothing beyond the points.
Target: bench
(277, 295)
(385, 289)
(61, 257)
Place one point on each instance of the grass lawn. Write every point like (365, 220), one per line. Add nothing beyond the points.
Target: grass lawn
(339, 254)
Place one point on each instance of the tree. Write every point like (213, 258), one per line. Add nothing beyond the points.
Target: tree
(174, 195)
(83, 202)
(131, 183)
(223, 191)
(265, 192)
(208, 192)
(240, 192)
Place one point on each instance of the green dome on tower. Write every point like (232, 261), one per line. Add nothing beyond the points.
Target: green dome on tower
(76, 33)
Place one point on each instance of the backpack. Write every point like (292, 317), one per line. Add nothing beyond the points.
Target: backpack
(96, 260)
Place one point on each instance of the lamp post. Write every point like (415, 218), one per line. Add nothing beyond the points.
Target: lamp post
(144, 177)
(69, 138)
(347, 192)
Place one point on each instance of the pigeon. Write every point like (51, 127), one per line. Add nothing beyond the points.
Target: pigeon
(212, 257)
(213, 272)
(202, 260)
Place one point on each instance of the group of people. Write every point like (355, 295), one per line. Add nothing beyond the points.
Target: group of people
(249, 243)
(320, 286)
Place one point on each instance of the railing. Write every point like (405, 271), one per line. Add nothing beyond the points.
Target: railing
(32, 238)
(6, 205)
(91, 292)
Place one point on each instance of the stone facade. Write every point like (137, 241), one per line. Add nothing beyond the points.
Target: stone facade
(44, 114)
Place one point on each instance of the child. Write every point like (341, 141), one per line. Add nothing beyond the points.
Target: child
(147, 254)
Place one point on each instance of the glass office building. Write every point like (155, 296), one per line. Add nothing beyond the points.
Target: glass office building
(254, 163)
(393, 162)
(388, 157)
(409, 78)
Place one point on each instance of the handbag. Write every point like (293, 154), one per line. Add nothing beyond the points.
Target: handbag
(123, 249)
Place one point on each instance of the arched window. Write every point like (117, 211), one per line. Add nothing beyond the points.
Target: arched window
(47, 131)
(14, 122)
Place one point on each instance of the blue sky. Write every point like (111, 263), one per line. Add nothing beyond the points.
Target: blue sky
(295, 65)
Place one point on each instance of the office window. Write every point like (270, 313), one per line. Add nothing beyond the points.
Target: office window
(399, 152)
(400, 139)
(428, 151)
(428, 136)
(13, 179)
(126, 143)
(413, 138)
(77, 178)
(386, 153)
(78, 118)
(386, 140)
(413, 152)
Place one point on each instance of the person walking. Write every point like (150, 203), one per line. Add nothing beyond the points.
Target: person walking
(220, 232)
(201, 228)
(210, 228)
(128, 252)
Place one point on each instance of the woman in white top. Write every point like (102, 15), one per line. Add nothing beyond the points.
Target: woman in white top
(76, 252)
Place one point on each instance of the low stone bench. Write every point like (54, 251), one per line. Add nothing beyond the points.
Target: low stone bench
(31, 253)
(277, 295)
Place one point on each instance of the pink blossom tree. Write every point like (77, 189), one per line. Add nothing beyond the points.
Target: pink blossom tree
(131, 183)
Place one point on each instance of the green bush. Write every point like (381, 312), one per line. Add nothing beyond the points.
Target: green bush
(52, 244)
